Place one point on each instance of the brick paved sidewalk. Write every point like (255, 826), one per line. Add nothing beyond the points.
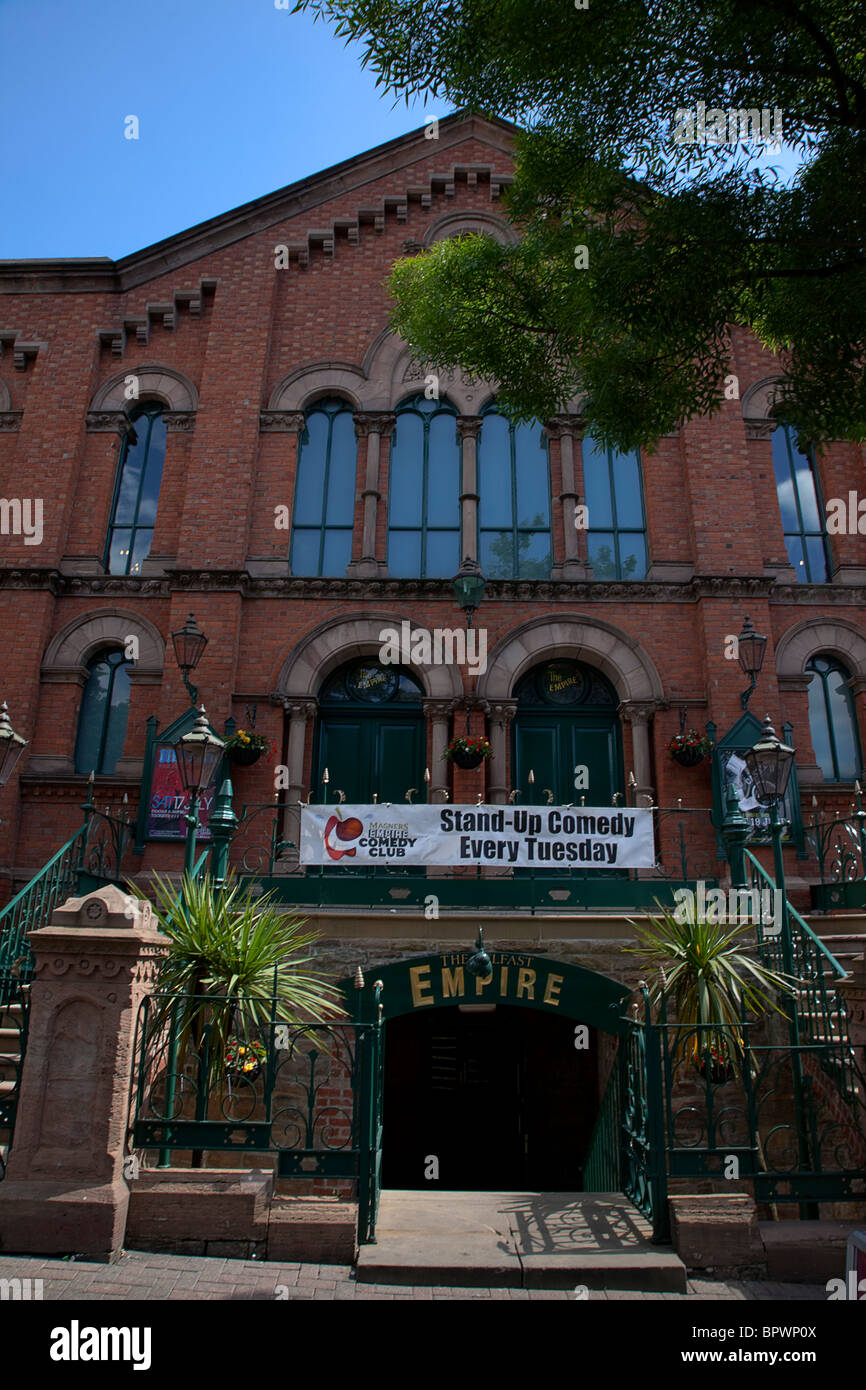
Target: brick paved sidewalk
(138, 1275)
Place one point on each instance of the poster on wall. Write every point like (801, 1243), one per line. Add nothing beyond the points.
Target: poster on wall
(169, 802)
(523, 836)
(733, 769)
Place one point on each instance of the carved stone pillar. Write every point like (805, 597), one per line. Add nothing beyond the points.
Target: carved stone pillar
(468, 427)
(298, 712)
(500, 716)
(371, 427)
(562, 428)
(638, 713)
(292, 423)
(65, 1190)
(438, 713)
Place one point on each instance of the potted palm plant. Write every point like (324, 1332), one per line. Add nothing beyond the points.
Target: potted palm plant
(235, 964)
(707, 974)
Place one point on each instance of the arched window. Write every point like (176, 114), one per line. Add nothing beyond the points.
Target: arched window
(324, 510)
(424, 492)
(104, 713)
(136, 493)
(616, 523)
(832, 721)
(803, 519)
(514, 500)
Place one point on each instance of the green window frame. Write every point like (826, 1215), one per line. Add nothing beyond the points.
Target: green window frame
(514, 513)
(833, 721)
(424, 486)
(616, 515)
(804, 523)
(136, 492)
(323, 512)
(104, 713)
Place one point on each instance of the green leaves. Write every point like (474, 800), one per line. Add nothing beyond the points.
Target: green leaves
(238, 950)
(708, 975)
(684, 240)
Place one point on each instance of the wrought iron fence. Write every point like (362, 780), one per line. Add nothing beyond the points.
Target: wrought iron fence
(246, 1080)
(839, 846)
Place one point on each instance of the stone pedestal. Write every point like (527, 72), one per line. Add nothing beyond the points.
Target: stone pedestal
(64, 1191)
(719, 1233)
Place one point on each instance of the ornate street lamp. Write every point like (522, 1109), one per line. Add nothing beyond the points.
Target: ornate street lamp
(189, 644)
(751, 647)
(199, 754)
(769, 763)
(12, 745)
(469, 585)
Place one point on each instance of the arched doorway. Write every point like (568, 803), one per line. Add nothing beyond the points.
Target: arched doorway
(488, 1084)
(567, 734)
(487, 1097)
(370, 734)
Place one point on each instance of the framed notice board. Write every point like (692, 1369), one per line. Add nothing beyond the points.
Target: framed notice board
(164, 803)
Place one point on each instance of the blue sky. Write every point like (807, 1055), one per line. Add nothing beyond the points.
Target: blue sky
(234, 98)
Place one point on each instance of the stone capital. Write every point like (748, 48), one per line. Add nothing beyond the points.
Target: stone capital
(468, 426)
(374, 422)
(107, 422)
(300, 707)
(558, 425)
(759, 429)
(438, 709)
(502, 711)
(179, 421)
(281, 421)
(639, 711)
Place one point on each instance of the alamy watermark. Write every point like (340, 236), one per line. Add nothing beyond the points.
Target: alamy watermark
(22, 516)
(444, 646)
(698, 126)
(760, 906)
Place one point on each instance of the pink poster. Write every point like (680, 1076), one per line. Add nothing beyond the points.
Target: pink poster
(169, 803)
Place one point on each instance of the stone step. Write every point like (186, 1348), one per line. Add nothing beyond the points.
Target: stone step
(517, 1240)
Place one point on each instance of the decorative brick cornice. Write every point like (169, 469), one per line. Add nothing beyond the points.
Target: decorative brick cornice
(281, 421)
(287, 586)
(10, 420)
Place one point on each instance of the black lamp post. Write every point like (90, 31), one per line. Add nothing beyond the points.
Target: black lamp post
(199, 753)
(751, 649)
(189, 644)
(469, 585)
(12, 745)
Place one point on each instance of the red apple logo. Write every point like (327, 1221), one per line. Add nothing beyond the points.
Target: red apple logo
(345, 830)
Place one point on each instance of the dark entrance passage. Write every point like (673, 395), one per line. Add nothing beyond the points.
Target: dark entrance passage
(502, 1099)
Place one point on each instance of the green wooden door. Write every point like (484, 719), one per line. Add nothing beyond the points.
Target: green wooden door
(370, 755)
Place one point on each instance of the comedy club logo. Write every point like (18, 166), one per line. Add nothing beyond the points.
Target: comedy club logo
(345, 831)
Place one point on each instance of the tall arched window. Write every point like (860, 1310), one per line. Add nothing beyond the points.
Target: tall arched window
(803, 520)
(424, 492)
(136, 492)
(616, 522)
(832, 721)
(514, 500)
(104, 713)
(324, 510)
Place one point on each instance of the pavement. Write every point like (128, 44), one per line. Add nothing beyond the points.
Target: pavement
(139, 1276)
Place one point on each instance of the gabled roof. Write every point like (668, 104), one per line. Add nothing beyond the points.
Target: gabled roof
(102, 273)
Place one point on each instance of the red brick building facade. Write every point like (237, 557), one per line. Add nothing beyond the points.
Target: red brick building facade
(232, 331)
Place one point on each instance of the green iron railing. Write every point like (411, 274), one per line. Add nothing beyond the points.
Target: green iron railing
(839, 847)
(31, 908)
(307, 1093)
(602, 1170)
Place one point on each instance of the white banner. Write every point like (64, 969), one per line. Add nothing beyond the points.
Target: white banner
(549, 837)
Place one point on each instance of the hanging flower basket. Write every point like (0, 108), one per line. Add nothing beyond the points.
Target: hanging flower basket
(468, 753)
(690, 748)
(245, 748)
(716, 1065)
(244, 1060)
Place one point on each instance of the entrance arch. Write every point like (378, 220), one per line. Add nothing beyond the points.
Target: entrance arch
(490, 1085)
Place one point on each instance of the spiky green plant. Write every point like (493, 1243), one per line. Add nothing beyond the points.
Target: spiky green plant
(706, 973)
(234, 965)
